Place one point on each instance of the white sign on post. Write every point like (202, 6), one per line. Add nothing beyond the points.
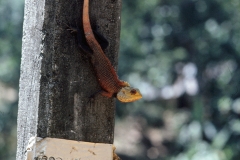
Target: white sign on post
(62, 149)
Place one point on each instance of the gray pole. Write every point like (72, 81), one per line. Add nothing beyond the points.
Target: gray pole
(56, 79)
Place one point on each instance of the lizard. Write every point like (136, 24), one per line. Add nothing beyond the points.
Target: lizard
(105, 72)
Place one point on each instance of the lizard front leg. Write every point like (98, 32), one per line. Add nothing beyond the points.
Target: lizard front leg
(106, 94)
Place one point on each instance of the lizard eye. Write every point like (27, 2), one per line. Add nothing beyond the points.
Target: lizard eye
(133, 91)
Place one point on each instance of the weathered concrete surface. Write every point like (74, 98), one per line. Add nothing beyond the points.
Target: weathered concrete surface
(57, 79)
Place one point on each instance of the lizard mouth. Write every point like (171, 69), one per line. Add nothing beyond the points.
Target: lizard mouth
(129, 94)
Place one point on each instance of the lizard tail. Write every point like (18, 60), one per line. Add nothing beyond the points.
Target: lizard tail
(86, 22)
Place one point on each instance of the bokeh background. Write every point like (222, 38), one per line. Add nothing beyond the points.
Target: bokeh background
(183, 55)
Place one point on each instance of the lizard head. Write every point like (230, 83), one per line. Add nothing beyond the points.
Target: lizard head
(129, 94)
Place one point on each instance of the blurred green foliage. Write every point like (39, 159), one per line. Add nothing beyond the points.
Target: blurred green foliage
(184, 57)
(11, 18)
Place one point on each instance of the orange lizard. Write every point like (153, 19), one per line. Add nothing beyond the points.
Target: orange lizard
(106, 74)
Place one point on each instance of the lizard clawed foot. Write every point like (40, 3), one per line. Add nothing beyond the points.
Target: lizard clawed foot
(91, 97)
(72, 30)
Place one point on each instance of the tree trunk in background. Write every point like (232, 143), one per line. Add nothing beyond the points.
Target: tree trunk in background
(56, 79)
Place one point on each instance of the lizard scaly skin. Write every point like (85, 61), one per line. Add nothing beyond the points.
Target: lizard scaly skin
(106, 74)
